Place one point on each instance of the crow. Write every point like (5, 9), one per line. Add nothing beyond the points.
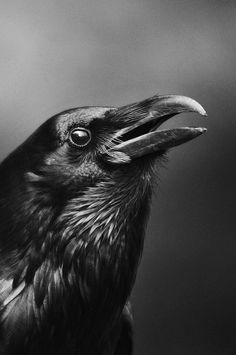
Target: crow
(74, 202)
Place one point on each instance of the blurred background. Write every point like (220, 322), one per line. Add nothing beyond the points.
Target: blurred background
(59, 54)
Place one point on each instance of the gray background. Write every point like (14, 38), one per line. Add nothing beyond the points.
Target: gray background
(59, 54)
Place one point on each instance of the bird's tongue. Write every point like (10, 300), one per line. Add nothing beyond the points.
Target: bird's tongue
(143, 137)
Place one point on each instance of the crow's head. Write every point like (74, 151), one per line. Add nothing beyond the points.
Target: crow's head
(79, 147)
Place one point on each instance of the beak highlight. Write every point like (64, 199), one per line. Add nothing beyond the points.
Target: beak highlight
(142, 137)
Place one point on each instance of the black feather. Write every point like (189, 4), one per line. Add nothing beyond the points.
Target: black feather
(72, 227)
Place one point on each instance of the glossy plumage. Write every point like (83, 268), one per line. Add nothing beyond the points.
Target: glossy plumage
(72, 223)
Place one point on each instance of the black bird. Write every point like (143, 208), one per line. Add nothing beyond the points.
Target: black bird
(74, 202)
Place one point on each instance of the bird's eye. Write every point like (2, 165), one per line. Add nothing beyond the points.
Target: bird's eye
(80, 137)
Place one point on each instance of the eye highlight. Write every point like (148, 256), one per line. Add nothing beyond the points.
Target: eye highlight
(80, 137)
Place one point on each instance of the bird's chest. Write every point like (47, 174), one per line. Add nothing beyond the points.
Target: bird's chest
(76, 295)
(100, 250)
(101, 273)
(87, 293)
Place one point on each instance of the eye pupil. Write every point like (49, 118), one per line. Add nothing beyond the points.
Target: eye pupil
(80, 137)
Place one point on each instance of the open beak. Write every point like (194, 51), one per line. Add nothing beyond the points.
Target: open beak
(143, 137)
